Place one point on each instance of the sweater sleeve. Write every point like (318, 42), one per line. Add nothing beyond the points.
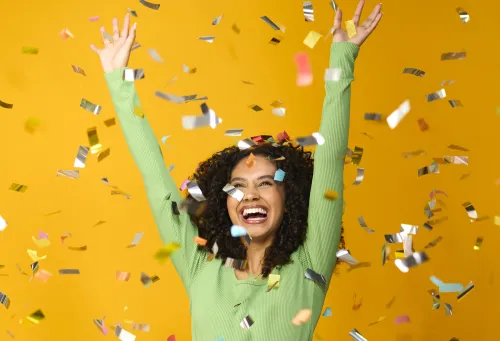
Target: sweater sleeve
(325, 216)
(161, 189)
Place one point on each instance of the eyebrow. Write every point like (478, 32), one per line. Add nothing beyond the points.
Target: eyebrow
(259, 178)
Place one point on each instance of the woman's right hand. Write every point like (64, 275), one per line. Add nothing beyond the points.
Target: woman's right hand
(115, 54)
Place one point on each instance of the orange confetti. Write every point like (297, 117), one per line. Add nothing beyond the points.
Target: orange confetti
(65, 34)
(331, 195)
(422, 125)
(251, 160)
(200, 241)
(122, 276)
(302, 316)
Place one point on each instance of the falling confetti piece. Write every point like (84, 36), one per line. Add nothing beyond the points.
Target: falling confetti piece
(34, 255)
(448, 309)
(345, 256)
(95, 146)
(312, 38)
(217, 20)
(147, 281)
(165, 252)
(360, 176)
(422, 125)
(136, 240)
(104, 154)
(31, 124)
(308, 11)
(93, 108)
(18, 187)
(30, 50)
(94, 18)
(41, 243)
(479, 243)
(43, 275)
(415, 259)
(121, 333)
(275, 40)
(4, 299)
(172, 338)
(3, 224)
(247, 322)
(431, 169)
(453, 56)
(362, 222)
(155, 7)
(436, 95)
(279, 175)
(315, 277)
(415, 72)
(187, 69)
(356, 335)
(464, 16)
(36, 317)
(110, 122)
(65, 34)
(356, 305)
(350, 28)
(100, 325)
(455, 103)
(496, 221)
(466, 290)
(69, 272)
(130, 75)
(79, 70)
(200, 241)
(233, 192)
(302, 317)
(433, 243)
(380, 319)
(122, 276)
(155, 55)
(396, 116)
(304, 71)
(313, 140)
(270, 23)
(471, 211)
(6, 105)
(401, 319)
(279, 111)
(208, 39)
(333, 5)
(373, 117)
(327, 312)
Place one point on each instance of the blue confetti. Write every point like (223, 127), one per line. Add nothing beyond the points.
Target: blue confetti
(220, 339)
(171, 168)
(328, 312)
(238, 231)
(279, 175)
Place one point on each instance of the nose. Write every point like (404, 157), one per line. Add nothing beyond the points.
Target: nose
(251, 194)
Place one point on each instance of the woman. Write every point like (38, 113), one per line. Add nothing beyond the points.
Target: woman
(295, 231)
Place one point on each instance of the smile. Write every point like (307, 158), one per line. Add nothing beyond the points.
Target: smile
(254, 215)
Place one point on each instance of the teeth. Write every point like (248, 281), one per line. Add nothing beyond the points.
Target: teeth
(248, 211)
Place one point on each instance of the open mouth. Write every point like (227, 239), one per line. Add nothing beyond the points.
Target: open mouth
(254, 215)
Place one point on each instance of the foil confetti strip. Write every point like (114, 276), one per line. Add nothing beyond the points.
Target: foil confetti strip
(433, 243)
(448, 309)
(373, 117)
(30, 50)
(275, 40)
(100, 325)
(395, 238)
(356, 335)
(72, 174)
(313, 140)
(312, 39)
(360, 176)
(34, 255)
(334, 5)
(304, 70)
(187, 69)
(69, 272)
(415, 259)
(345, 256)
(466, 290)
(270, 23)
(273, 281)
(386, 250)
(6, 105)
(239, 264)
(130, 75)
(121, 333)
(42, 275)
(401, 319)
(4, 299)
(255, 107)
(362, 222)
(193, 122)
(36, 317)
(150, 5)
(94, 18)
(65, 34)
(122, 276)
(200, 241)
(95, 146)
(91, 107)
(3, 224)
(380, 319)
(315, 277)
(195, 191)
(453, 56)
(165, 252)
(132, 12)
(81, 157)
(422, 125)
(78, 248)
(456, 160)
(455, 103)
(415, 72)
(155, 55)
(208, 39)
(18, 188)
(464, 16)
(447, 82)
(147, 281)
(396, 116)
(308, 10)
(436, 95)
(431, 169)
(136, 240)
(302, 316)
(110, 122)
(409, 229)
(350, 28)
(107, 36)
(479, 243)
(217, 20)
(418, 152)
(279, 111)
(471, 211)
(104, 154)
(333, 75)
(143, 327)
(327, 312)
(408, 246)
(79, 70)
(247, 322)
(135, 46)
(457, 147)
(234, 192)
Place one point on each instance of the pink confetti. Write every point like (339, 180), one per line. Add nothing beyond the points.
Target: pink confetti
(184, 185)
(402, 319)
(42, 235)
(94, 18)
(436, 192)
(171, 338)
(304, 70)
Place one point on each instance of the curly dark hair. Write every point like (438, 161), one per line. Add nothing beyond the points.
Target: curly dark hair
(213, 221)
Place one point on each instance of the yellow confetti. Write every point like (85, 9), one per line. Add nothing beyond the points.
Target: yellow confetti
(30, 50)
(31, 124)
(273, 281)
(496, 220)
(102, 155)
(36, 317)
(41, 243)
(331, 194)
(34, 256)
(18, 187)
(351, 28)
(166, 251)
(139, 112)
(312, 38)
(110, 122)
(478, 244)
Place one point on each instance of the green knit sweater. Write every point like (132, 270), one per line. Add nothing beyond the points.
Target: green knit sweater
(219, 301)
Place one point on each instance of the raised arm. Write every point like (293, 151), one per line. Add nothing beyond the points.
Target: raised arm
(161, 190)
(325, 216)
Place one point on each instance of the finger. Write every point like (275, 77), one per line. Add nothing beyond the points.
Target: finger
(375, 22)
(95, 49)
(367, 23)
(104, 39)
(131, 36)
(126, 23)
(337, 22)
(357, 13)
(116, 35)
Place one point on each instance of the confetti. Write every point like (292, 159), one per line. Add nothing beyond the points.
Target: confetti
(333, 75)
(247, 322)
(453, 56)
(41, 243)
(72, 174)
(136, 240)
(131, 75)
(302, 317)
(334, 5)
(279, 111)
(34, 255)
(135, 46)
(36, 317)
(155, 55)
(100, 324)
(360, 176)
(418, 152)
(345, 256)
(107, 36)
(396, 117)
(200, 241)
(193, 122)
(350, 28)
(422, 125)
(436, 95)
(455, 103)
(304, 71)
(208, 39)
(3, 224)
(65, 34)
(122, 276)
(240, 264)
(433, 243)
(315, 277)
(195, 191)
(78, 248)
(217, 20)
(4, 299)
(362, 222)
(373, 117)
(95, 146)
(355, 305)
(448, 309)
(327, 312)
(308, 11)
(121, 333)
(187, 69)
(431, 169)
(447, 82)
(69, 272)
(165, 252)
(42, 275)
(6, 105)
(312, 38)
(479, 243)
(30, 50)
(152, 6)
(415, 72)
(238, 231)
(78, 69)
(94, 18)
(496, 221)
(416, 258)
(463, 15)
(356, 335)
(270, 23)
(331, 194)
(275, 40)
(18, 188)
(386, 250)
(147, 281)
(255, 107)
(313, 140)
(234, 192)
(466, 290)
(380, 319)
(110, 122)
(471, 211)
(89, 106)
(401, 319)
(279, 175)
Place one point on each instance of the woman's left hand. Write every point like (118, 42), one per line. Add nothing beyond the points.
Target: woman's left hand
(363, 31)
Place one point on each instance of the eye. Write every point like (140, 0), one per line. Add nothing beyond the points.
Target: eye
(265, 183)
(237, 185)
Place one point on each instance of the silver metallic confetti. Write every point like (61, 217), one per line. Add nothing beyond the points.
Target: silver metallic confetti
(217, 20)
(208, 39)
(415, 259)
(69, 272)
(315, 277)
(356, 335)
(433, 243)
(193, 122)
(150, 5)
(373, 117)
(386, 250)
(436, 95)
(187, 69)
(4, 300)
(137, 239)
(362, 222)
(234, 192)
(308, 10)
(155, 55)
(431, 169)
(246, 143)
(408, 246)
(131, 75)
(447, 82)
(135, 46)
(415, 72)
(233, 132)
(409, 229)
(395, 238)
(397, 115)
(471, 211)
(466, 290)
(448, 309)
(121, 333)
(453, 55)
(195, 191)
(313, 140)
(93, 108)
(333, 74)
(455, 103)
(240, 264)
(457, 160)
(72, 174)
(107, 36)
(246, 323)
(270, 23)
(173, 98)
(360, 176)
(334, 5)
(81, 157)
(463, 15)
(345, 256)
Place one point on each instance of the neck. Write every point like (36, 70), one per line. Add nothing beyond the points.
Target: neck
(255, 255)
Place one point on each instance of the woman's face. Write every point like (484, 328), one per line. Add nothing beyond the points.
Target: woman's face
(261, 210)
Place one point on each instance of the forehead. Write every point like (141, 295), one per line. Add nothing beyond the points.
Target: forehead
(261, 166)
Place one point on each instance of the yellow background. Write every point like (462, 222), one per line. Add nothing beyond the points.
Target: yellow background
(412, 34)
